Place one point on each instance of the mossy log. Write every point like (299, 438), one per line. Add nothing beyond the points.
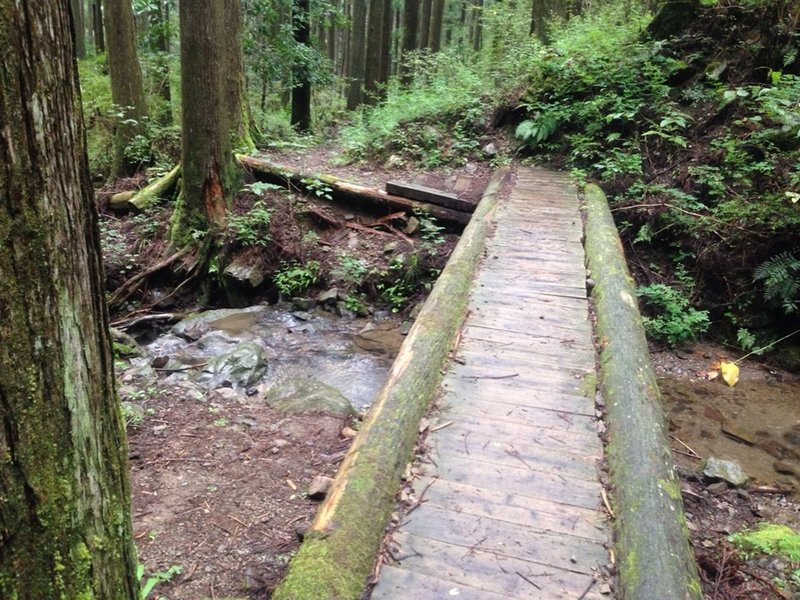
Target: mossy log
(651, 538)
(346, 191)
(340, 550)
(155, 190)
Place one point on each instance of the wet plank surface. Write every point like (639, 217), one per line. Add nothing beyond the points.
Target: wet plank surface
(512, 503)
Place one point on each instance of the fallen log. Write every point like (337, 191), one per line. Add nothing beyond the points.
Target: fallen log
(339, 551)
(351, 192)
(155, 190)
(651, 536)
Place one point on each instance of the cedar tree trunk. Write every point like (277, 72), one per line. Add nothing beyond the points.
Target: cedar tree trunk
(214, 116)
(126, 82)
(65, 525)
(301, 88)
(410, 29)
(355, 92)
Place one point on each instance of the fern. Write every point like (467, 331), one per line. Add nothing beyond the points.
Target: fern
(535, 131)
(779, 275)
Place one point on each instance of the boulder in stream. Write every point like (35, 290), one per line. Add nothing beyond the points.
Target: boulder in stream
(717, 469)
(244, 366)
(308, 395)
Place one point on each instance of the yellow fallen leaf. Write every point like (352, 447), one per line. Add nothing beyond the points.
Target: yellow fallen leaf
(730, 372)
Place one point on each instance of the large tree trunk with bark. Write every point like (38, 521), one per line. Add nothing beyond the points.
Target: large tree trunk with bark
(214, 116)
(355, 91)
(97, 27)
(372, 69)
(65, 526)
(78, 28)
(126, 82)
(410, 34)
(425, 25)
(437, 19)
(301, 90)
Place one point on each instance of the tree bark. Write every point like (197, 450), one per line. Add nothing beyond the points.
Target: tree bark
(65, 525)
(214, 117)
(372, 69)
(126, 82)
(437, 20)
(477, 25)
(410, 35)
(159, 44)
(97, 27)
(652, 547)
(355, 92)
(78, 28)
(425, 25)
(386, 47)
(339, 552)
(301, 84)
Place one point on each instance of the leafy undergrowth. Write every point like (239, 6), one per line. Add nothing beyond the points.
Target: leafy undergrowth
(696, 139)
(294, 245)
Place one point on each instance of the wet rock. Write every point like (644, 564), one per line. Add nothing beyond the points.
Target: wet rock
(139, 376)
(125, 345)
(243, 367)
(319, 487)
(405, 327)
(412, 226)
(328, 296)
(243, 272)
(308, 395)
(382, 338)
(490, 149)
(343, 311)
(301, 315)
(717, 469)
(471, 168)
(304, 304)
(784, 468)
(719, 487)
(227, 319)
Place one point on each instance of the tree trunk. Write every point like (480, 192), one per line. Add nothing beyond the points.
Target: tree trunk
(425, 25)
(97, 27)
(159, 45)
(372, 67)
(437, 20)
(410, 34)
(355, 93)
(126, 82)
(386, 47)
(78, 28)
(653, 552)
(538, 20)
(301, 90)
(214, 117)
(477, 25)
(65, 525)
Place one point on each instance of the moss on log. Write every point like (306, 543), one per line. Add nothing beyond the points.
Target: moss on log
(651, 538)
(338, 554)
(155, 190)
(347, 191)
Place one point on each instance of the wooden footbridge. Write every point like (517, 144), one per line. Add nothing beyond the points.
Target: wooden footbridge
(509, 499)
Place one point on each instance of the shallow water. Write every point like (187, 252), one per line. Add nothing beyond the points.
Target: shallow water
(297, 345)
(756, 423)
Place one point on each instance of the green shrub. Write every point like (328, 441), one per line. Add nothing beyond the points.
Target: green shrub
(673, 321)
(294, 278)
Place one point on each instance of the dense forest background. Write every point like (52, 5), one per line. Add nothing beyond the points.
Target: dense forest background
(690, 121)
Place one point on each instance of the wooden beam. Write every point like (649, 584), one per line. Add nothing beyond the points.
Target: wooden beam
(429, 195)
(351, 193)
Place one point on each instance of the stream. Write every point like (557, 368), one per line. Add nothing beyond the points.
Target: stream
(274, 353)
(756, 423)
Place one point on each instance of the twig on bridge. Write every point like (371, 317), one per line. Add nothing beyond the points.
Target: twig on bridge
(607, 503)
(586, 591)
(529, 581)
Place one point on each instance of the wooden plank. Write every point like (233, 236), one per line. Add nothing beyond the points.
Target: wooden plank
(506, 320)
(495, 280)
(497, 417)
(503, 539)
(518, 392)
(514, 508)
(398, 583)
(569, 352)
(508, 577)
(501, 357)
(429, 195)
(521, 297)
(543, 378)
(581, 440)
(549, 486)
(502, 452)
(539, 513)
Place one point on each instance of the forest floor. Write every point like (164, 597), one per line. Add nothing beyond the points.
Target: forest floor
(220, 484)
